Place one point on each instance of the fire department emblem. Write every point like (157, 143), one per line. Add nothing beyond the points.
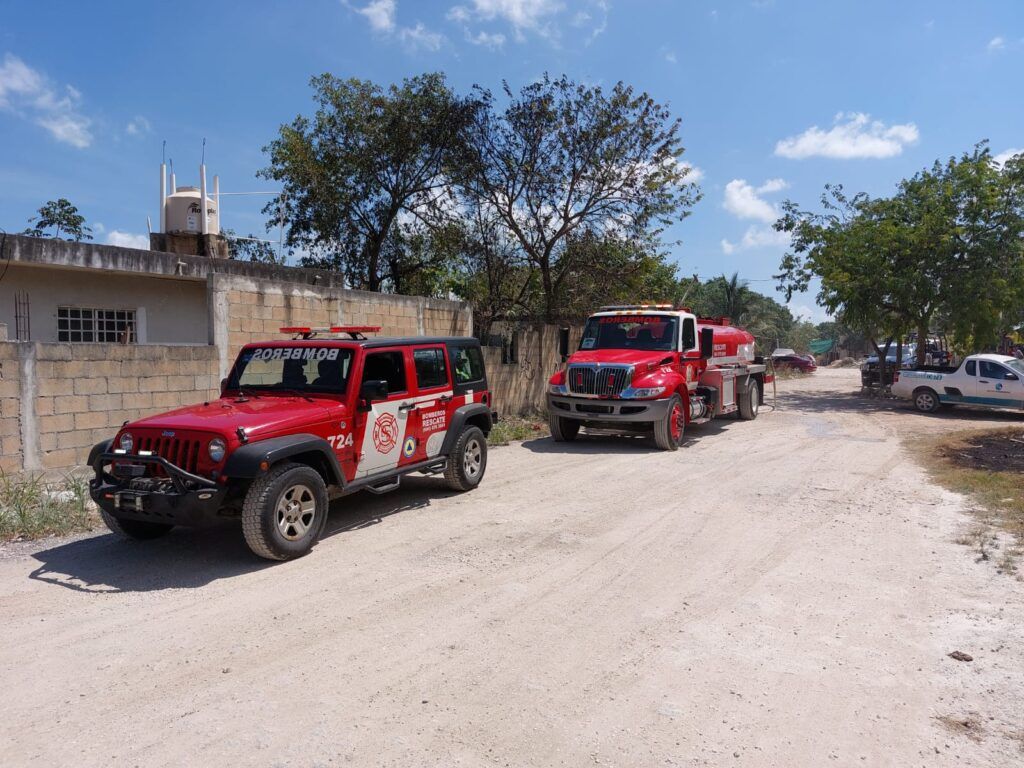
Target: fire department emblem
(385, 433)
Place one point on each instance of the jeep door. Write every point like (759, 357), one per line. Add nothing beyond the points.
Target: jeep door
(431, 414)
(382, 426)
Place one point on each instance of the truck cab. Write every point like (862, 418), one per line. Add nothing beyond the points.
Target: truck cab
(324, 413)
(657, 369)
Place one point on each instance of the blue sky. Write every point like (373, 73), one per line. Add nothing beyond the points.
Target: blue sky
(777, 97)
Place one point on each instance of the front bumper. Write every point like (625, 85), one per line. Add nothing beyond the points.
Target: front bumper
(180, 498)
(597, 409)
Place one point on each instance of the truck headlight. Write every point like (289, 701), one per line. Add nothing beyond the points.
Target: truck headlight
(126, 443)
(217, 449)
(643, 393)
(557, 389)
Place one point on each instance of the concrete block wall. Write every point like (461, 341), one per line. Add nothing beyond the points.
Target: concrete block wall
(72, 396)
(520, 388)
(11, 458)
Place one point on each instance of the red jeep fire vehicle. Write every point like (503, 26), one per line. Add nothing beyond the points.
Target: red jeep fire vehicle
(298, 422)
(650, 367)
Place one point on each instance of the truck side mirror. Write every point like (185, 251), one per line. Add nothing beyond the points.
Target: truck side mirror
(707, 343)
(563, 343)
(373, 391)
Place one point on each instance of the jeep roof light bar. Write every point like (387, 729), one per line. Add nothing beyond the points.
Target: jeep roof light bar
(355, 332)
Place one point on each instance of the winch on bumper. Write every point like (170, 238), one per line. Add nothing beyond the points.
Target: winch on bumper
(123, 488)
(607, 409)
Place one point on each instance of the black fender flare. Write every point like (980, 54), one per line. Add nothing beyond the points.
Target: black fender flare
(463, 414)
(99, 449)
(245, 461)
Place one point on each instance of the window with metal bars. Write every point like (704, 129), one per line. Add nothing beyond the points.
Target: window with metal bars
(83, 324)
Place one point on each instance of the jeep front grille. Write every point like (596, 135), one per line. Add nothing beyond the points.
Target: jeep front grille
(181, 453)
(603, 381)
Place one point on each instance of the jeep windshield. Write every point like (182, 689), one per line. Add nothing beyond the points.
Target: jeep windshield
(291, 370)
(656, 333)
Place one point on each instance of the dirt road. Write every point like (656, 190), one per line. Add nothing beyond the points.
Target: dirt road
(777, 593)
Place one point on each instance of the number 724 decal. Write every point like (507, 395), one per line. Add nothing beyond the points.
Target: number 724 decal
(340, 441)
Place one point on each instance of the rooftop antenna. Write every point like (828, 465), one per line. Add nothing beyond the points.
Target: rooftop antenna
(202, 160)
(163, 190)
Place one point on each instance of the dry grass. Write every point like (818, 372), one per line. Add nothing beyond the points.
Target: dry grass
(31, 508)
(998, 494)
(513, 428)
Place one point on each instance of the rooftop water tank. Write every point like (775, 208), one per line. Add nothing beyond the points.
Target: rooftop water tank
(183, 212)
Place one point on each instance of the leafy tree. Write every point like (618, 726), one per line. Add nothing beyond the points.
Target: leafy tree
(369, 163)
(561, 159)
(251, 248)
(947, 244)
(63, 218)
(768, 321)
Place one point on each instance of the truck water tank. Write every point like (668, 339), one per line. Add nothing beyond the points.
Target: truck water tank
(183, 212)
(730, 341)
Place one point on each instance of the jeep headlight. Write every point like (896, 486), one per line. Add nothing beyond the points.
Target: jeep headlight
(126, 443)
(217, 448)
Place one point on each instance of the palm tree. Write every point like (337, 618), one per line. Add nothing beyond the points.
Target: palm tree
(735, 296)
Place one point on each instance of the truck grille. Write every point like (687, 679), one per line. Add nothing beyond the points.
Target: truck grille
(603, 381)
(181, 453)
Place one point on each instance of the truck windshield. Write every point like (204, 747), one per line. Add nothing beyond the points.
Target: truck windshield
(295, 369)
(649, 332)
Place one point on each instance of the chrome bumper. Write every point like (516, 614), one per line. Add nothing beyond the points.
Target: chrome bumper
(596, 409)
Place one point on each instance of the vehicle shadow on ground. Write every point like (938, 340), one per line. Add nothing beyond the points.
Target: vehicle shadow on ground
(854, 402)
(189, 558)
(599, 442)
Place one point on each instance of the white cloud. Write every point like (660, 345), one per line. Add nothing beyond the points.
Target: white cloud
(137, 126)
(540, 17)
(493, 41)
(29, 94)
(670, 57)
(808, 313)
(380, 14)
(1002, 157)
(757, 237)
(98, 228)
(996, 44)
(744, 200)
(128, 240)
(521, 14)
(419, 37)
(693, 173)
(853, 135)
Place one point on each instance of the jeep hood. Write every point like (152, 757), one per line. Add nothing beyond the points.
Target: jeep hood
(259, 416)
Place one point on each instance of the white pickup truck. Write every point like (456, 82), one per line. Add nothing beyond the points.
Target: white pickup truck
(996, 381)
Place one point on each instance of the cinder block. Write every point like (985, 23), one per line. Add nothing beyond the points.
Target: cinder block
(180, 383)
(69, 403)
(64, 422)
(104, 402)
(90, 420)
(153, 384)
(10, 447)
(86, 386)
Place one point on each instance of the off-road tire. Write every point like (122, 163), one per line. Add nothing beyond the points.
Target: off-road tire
(667, 438)
(266, 521)
(750, 402)
(563, 430)
(139, 530)
(468, 460)
(926, 400)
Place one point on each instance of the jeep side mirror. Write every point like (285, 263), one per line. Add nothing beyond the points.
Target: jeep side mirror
(373, 391)
(707, 343)
(223, 384)
(563, 343)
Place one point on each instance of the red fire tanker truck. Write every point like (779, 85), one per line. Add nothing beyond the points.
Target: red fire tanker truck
(654, 368)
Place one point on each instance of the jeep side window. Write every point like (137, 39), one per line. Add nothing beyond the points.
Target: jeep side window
(389, 366)
(971, 368)
(468, 364)
(689, 334)
(430, 368)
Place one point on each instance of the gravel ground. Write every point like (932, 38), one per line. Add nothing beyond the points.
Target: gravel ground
(781, 592)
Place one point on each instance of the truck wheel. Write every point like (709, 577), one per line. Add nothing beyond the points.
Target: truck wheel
(926, 401)
(668, 433)
(467, 461)
(134, 529)
(284, 512)
(750, 402)
(563, 430)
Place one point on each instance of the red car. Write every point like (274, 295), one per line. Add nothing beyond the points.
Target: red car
(794, 362)
(299, 422)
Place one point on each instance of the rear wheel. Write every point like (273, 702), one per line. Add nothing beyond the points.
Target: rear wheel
(563, 430)
(467, 461)
(926, 401)
(668, 432)
(284, 512)
(134, 529)
(750, 401)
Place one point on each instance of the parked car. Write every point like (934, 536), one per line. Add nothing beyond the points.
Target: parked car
(789, 360)
(298, 421)
(995, 381)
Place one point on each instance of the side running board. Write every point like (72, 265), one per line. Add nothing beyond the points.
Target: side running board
(385, 487)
